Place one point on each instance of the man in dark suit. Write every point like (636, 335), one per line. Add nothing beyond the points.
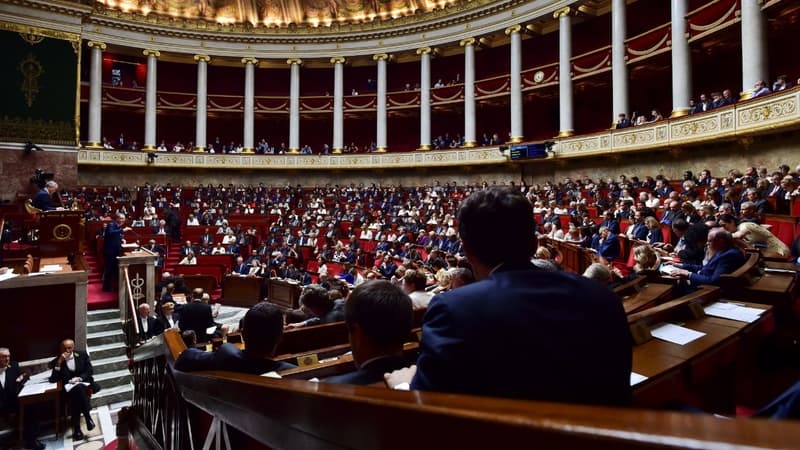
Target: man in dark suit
(149, 326)
(73, 368)
(608, 245)
(112, 246)
(197, 316)
(262, 328)
(378, 316)
(565, 326)
(11, 381)
(42, 199)
(241, 268)
(726, 259)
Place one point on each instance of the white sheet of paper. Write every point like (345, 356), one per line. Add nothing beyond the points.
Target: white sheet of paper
(69, 386)
(51, 268)
(8, 275)
(667, 270)
(676, 334)
(40, 377)
(211, 330)
(734, 312)
(637, 378)
(271, 374)
(36, 388)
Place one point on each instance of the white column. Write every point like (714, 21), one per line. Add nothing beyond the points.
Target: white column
(619, 69)
(469, 92)
(96, 94)
(150, 100)
(565, 113)
(380, 140)
(681, 61)
(250, 64)
(425, 98)
(516, 83)
(754, 51)
(294, 105)
(202, 102)
(338, 104)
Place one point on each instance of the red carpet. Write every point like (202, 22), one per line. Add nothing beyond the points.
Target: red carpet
(97, 299)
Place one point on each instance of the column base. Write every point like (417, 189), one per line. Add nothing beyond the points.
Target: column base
(380, 150)
(470, 144)
(248, 150)
(337, 151)
(424, 147)
(94, 145)
(149, 148)
(199, 150)
(293, 151)
(515, 140)
(746, 95)
(679, 113)
(565, 133)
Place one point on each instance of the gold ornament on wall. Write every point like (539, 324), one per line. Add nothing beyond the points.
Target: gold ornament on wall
(31, 70)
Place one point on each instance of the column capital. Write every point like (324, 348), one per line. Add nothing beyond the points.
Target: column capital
(380, 57)
(338, 60)
(467, 41)
(204, 58)
(565, 11)
(250, 60)
(97, 44)
(513, 29)
(424, 50)
(292, 61)
(149, 52)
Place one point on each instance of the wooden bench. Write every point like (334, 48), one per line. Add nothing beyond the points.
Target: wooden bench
(639, 294)
(753, 284)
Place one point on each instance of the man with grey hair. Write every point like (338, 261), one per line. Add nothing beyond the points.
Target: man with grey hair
(113, 238)
(723, 258)
(42, 200)
(598, 272)
(11, 381)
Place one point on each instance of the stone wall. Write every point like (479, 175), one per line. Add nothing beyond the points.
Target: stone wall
(17, 168)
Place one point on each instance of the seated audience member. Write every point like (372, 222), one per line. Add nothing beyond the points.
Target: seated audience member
(608, 244)
(414, 283)
(149, 326)
(654, 235)
(262, 328)
(193, 358)
(74, 368)
(747, 212)
(781, 83)
(760, 89)
(598, 272)
(189, 260)
(378, 319)
(691, 244)
(168, 318)
(623, 122)
(724, 256)
(11, 381)
(762, 206)
(461, 276)
(317, 301)
(754, 234)
(514, 309)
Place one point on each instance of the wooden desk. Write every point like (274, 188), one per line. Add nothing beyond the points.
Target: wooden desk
(284, 293)
(648, 294)
(50, 394)
(242, 291)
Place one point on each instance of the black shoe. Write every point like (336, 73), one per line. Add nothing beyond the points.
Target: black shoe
(77, 435)
(89, 424)
(35, 445)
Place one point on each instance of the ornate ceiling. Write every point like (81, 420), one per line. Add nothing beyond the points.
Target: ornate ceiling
(272, 13)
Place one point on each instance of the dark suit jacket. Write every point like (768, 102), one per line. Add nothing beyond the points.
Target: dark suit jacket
(8, 394)
(640, 231)
(83, 369)
(112, 241)
(154, 328)
(655, 236)
(244, 269)
(371, 373)
(197, 316)
(609, 248)
(165, 323)
(529, 334)
(42, 200)
(722, 263)
(230, 358)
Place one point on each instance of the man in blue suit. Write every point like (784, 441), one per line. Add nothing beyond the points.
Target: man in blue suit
(42, 199)
(112, 246)
(262, 328)
(520, 332)
(378, 316)
(726, 259)
(608, 245)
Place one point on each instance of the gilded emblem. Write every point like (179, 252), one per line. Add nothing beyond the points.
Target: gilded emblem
(31, 70)
(62, 232)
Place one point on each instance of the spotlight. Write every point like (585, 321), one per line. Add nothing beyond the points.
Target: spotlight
(151, 157)
(30, 147)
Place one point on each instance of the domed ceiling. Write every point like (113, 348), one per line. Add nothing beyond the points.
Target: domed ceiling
(272, 13)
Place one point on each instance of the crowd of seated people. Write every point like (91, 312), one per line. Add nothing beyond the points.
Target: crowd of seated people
(446, 140)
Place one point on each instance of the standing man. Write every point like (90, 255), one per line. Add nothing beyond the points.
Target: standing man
(112, 246)
(173, 219)
(74, 370)
(565, 325)
(11, 381)
(42, 200)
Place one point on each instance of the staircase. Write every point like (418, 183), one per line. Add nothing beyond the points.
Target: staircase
(106, 346)
(97, 299)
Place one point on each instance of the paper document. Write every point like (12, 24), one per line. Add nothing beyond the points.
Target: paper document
(68, 387)
(271, 374)
(667, 270)
(733, 311)
(40, 377)
(211, 329)
(637, 378)
(8, 275)
(51, 268)
(676, 334)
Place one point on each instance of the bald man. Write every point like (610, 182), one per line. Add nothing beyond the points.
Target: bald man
(73, 368)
